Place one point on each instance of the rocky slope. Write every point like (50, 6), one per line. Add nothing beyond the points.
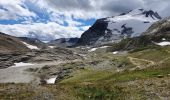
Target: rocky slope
(10, 50)
(23, 49)
(11, 44)
(113, 29)
(161, 27)
(33, 41)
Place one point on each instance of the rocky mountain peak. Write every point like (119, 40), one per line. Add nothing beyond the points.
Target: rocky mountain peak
(115, 28)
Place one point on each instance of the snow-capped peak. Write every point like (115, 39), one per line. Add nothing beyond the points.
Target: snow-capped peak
(114, 29)
(138, 14)
(132, 23)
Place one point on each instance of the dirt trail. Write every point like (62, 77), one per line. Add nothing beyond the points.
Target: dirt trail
(138, 65)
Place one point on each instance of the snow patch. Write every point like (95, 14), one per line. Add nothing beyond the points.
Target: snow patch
(163, 39)
(30, 46)
(21, 64)
(51, 80)
(165, 43)
(116, 52)
(93, 49)
(104, 47)
(52, 47)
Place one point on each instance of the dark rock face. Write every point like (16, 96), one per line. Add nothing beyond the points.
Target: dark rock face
(152, 14)
(94, 33)
(64, 42)
(127, 30)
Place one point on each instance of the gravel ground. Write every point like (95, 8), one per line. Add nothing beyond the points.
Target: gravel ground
(19, 75)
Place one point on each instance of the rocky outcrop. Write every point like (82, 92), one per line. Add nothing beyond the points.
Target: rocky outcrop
(55, 54)
(161, 27)
(8, 59)
(90, 36)
(37, 56)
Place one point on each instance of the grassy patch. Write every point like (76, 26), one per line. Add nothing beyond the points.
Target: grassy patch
(138, 74)
(152, 54)
(87, 75)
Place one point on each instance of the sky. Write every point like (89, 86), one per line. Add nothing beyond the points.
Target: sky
(52, 19)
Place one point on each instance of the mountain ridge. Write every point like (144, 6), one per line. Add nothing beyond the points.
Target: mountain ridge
(116, 28)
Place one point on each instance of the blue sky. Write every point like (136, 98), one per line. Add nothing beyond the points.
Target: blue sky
(52, 19)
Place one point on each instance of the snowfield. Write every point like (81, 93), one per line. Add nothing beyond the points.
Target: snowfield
(116, 52)
(51, 80)
(52, 47)
(93, 49)
(104, 47)
(31, 46)
(134, 19)
(21, 64)
(165, 43)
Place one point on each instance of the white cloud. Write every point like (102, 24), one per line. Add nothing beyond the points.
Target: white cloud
(62, 15)
(86, 9)
(13, 10)
(42, 31)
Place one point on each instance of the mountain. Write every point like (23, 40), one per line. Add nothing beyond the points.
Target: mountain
(158, 34)
(33, 41)
(64, 42)
(161, 27)
(114, 29)
(11, 44)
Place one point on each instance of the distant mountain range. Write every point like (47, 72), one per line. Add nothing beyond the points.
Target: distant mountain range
(132, 24)
(116, 28)
(64, 42)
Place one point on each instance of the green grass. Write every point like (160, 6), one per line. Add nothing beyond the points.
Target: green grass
(87, 76)
(99, 92)
(106, 76)
(152, 54)
(94, 86)
(138, 74)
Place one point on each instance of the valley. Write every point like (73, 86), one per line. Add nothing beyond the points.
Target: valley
(113, 60)
(101, 75)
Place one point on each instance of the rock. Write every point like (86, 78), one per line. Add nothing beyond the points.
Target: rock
(160, 76)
